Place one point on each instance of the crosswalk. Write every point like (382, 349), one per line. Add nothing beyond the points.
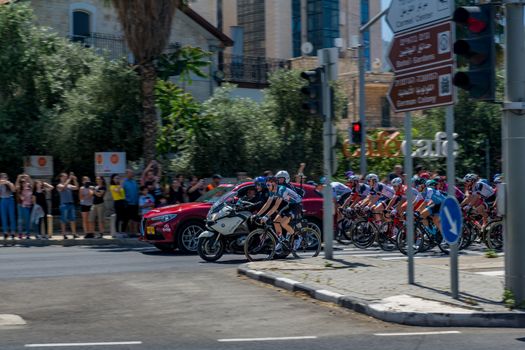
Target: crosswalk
(376, 252)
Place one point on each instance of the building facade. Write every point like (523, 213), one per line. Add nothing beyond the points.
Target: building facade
(95, 24)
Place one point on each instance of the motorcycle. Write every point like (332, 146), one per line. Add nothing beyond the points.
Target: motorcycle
(227, 226)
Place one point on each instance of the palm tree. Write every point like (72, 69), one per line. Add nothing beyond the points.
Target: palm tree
(147, 25)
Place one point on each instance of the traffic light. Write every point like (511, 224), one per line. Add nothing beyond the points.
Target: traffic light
(356, 133)
(313, 91)
(479, 49)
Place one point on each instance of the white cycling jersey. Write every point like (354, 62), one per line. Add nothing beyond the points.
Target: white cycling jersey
(483, 189)
(383, 190)
(339, 189)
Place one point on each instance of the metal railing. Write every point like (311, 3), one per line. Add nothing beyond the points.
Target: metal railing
(113, 46)
(246, 69)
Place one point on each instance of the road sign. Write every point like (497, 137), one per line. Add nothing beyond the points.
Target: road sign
(422, 89)
(421, 48)
(404, 15)
(451, 219)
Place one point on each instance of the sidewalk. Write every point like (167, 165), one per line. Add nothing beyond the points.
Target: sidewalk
(380, 288)
(58, 240)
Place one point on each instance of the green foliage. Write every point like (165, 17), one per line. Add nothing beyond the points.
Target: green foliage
(59, 98)
(182, 62)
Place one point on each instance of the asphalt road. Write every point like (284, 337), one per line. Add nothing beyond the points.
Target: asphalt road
(112, 298)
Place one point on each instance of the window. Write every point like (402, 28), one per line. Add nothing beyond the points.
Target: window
(323, 23)
(296, 27)
(81, 26)
(385, 113)
(365, 16)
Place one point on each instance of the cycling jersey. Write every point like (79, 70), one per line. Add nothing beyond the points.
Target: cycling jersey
(338, 189)
(483, 189)
(299, 190)
(416, 194)
(429, 194)
(362, 190)
(287, 195)
(383, 190)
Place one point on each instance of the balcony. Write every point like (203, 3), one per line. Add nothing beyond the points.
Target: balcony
(251, 72)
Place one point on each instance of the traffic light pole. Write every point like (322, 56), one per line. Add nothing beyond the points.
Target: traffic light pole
(513, 139)
(328, 60)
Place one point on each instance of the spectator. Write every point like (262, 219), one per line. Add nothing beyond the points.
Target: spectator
(397, 172)
(97, 212)
(40, 198)
(131, 189)
(146, 201)
(175, 192)
(299, 177)
(155, 190)
(152, 172)
(7, 206)
(268, 173)
(215, 181)
(196, 189)
(119, 204)
(21, 180)
(85, 194)
(65, 188)
(26, 205)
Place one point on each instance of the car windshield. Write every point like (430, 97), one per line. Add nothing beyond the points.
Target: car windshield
(215, 194)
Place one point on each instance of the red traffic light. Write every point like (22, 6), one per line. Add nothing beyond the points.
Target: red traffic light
(472, 17)
(356, 127)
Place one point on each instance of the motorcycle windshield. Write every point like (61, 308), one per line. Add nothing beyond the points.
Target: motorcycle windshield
(227, 198)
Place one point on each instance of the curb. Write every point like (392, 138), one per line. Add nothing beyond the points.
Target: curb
(376, 310)
(121, 242)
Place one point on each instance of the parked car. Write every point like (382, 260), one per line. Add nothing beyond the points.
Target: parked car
(179, 226)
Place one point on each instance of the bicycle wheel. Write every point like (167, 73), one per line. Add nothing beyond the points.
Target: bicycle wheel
(494, 236)
(306, 243)
(387, 237)
(402, 241)
(344, 235)
(466, 237)
(259, 245)
(363, 234)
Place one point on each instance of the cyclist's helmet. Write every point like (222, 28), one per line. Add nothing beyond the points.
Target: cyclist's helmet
(431, 183)
(260, 180)
(397, 181)
(349, 174)
(420, 181)
(498, 178)
(322, 180)
(372, 177)
(271, 179)
(470, 178)
(425, 176)
(283, 174)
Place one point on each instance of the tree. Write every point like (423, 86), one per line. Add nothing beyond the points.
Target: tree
(147, 25)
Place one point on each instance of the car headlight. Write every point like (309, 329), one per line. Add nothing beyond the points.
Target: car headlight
(163, 218)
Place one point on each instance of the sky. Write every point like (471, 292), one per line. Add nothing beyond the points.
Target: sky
(386, 32)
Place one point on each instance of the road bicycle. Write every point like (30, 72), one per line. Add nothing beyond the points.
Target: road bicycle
(265, 244)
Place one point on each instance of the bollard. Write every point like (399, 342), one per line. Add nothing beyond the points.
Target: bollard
(49, 219)
(112, 220)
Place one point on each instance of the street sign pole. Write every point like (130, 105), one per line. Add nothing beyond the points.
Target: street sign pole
(362, 119)
(410, 199)
(513, 142)
(451, 181)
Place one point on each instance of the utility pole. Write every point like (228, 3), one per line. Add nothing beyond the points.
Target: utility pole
(513, 139)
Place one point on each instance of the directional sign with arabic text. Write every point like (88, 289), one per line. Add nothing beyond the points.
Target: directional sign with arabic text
(421, 48)
(407, 14)
(422, 89)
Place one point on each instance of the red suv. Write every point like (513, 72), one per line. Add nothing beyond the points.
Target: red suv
(179, 226)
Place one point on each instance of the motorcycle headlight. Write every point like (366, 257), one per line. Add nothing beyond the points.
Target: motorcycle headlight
(163, 218)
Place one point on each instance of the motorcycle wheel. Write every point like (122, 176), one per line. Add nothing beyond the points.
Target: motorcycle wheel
(210, 248)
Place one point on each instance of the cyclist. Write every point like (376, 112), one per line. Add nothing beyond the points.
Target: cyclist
(359, 192)
(283, 179)
(442, 186)
(283, 201)
(432, 199)
(418, 198)
(480, 196)
(379, 194)
(399, 196)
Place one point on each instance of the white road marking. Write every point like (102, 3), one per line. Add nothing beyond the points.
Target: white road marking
(415, 333)
(265, 339)
(82, 344)
(492, 273)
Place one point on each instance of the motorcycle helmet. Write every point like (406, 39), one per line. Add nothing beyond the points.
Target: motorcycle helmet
(260, 180)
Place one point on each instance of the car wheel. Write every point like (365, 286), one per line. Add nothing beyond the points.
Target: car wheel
(188, 236)
(165, 247)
